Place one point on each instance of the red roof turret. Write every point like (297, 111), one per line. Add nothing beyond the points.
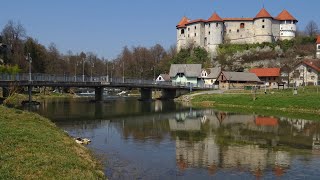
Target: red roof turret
(285, 15)
(183, 22)
(215, 18)
(263, 14)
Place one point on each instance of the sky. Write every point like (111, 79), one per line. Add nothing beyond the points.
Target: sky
(104, 27)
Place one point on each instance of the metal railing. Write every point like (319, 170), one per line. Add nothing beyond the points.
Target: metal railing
(95, 79)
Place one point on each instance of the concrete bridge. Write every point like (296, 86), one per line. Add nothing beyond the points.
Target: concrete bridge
(169, 90)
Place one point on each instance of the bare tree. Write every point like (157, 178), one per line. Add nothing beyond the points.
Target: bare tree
(312, 28)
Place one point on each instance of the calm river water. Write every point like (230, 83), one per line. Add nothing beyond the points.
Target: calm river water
(164, 140)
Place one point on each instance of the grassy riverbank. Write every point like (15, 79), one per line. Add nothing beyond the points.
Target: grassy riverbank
(34, 148)
(306, 101)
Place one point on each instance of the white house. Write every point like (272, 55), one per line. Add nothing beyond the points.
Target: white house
(163, 77)
(306, 73)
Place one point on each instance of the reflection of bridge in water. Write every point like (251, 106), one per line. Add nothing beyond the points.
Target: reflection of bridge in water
(169, 90)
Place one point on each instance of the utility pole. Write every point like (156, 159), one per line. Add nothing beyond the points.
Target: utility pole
(92, 66)
(122, 71)
(30, 78)
(75, 71)
(107, 71)
(82, 69)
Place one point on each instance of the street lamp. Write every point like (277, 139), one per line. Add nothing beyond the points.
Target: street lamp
(92, 66)
(83, 69)
(75, 71)
(30, 61)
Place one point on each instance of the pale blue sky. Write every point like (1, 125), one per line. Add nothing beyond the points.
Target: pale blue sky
(106, 26)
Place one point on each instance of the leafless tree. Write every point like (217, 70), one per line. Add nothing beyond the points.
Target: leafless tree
(312, 28)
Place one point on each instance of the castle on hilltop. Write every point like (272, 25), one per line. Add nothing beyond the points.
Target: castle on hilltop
(216, 30)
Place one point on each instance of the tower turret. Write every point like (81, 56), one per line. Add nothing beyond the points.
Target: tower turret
(318, 47)
(213, 33)
(288, 26)
(263, 26)
(181, 33)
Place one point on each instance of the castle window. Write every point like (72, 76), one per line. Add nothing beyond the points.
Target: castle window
(188, 29)
(195, 27)
(237, 30)
(209, 25)
(209, 32)
(229, 30)
(182, 31)
(262, 20)
(217, 24)
(195, 34)
(188, 35)
(262, 26)
(281, 34)
(241, 25)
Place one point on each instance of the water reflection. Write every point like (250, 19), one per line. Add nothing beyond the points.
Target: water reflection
(163, 140)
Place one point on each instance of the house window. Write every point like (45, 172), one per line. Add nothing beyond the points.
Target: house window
(241, 25)
(181, 75)
(309, 70)
(281, 34)
(312, 77)
(318, 46)
(217, 24)
(188, 29)
(160, 78)
(182, 31)
(262, 26)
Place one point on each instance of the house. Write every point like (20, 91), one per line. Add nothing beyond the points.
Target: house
(236, 80)
(210, 76)
(306, 72)
(163, 77)
(271, 76)
(186, 74)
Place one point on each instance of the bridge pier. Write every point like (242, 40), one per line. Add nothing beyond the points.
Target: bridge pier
(168, 93)
(98, 93)
(5, 92)
(146, 94)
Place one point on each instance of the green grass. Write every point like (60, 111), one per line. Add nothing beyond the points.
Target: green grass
(307, 101)
(31, 147)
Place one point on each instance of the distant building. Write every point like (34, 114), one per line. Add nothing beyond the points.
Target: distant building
(210, 76)
(306, 73)
(236, 80)
(185, 74)
(318, 47)
(214, 31)
(270, 76)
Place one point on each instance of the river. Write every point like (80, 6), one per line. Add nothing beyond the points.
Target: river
(165, 140)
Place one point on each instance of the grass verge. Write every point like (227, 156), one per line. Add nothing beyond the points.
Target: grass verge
(32, 147)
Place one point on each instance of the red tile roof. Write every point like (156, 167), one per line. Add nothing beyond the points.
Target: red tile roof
(266, 72)
(263, 14)
(215, 18)
(196, 21)
(183, 22)
(318, 39)
(266, 121)
(313, 63)
(285, 15)
(238, 19)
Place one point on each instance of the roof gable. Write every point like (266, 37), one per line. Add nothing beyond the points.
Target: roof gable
(215, 18)
(285, 15)
(183, 22)
(263, 14)
(315, 64)
(189, 70)
(240, 76)
(266, 72)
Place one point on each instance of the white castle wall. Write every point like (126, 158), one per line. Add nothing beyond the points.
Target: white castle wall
(263, 30)
(181, 38)
(287, 30)
(236, 35)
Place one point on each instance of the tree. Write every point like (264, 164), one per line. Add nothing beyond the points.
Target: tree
(312, 29)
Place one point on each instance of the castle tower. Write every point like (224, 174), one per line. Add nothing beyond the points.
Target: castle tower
(288, 26)
(318, 47)
(213, 34)
(263, 27)
(181, 33)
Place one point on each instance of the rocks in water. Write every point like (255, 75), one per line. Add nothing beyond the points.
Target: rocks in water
(84, 141)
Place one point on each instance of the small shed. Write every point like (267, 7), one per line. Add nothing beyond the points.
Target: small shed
(163, 77)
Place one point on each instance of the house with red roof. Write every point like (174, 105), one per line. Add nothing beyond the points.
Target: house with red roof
(270, 76)
(210, 33)
(307, 72)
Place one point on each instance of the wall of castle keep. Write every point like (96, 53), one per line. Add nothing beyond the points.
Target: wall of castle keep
(235, 34)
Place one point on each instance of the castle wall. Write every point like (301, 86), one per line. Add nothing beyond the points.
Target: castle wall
(181, 38)
(213, 37)
(235, 34)
(276, 30)
(195, 34)
(263, 30)
(287, 30)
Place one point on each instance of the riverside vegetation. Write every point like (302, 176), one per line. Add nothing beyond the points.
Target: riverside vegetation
(32, 147)
(305, 103)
